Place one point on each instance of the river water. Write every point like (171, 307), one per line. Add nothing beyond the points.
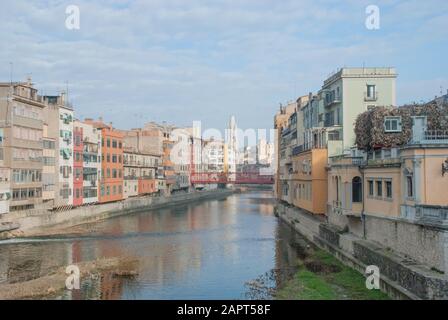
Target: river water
(212, 249)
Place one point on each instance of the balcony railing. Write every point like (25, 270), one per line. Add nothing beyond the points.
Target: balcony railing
(435, 214)
(332, 100)
(430, 136)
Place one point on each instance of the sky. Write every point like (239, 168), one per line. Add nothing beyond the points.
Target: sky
(132, 62)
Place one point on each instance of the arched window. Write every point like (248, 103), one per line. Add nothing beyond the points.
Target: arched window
(356, 189)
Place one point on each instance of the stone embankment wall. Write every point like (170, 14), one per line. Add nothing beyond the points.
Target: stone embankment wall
(401, 277)
(37, 219)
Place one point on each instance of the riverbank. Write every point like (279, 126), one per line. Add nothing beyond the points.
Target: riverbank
(36, 223)
(400, 276)
(53, 285)
(320, 276)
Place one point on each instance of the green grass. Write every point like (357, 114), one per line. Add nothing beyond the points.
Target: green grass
(343, 284)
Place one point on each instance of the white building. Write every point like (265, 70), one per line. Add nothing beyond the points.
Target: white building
(345, 95)
(265, 152)
(91, 161)
(59, 116)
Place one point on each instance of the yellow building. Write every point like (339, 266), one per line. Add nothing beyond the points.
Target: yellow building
(405, 182)
(310, 180)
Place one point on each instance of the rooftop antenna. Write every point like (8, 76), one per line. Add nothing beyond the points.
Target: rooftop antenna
(66, 88)
(11, 70)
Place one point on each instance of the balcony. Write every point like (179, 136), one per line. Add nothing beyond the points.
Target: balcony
(344, 160)
(371, 97)
(332, 100)
(430, 137)
(336, 207)
(431, 214)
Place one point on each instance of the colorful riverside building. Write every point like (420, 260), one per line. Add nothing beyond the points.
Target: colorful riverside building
(59, 116)
(392, 190)
(140, 173)
(78, 162)
(21, 131)
(319, 126)
(111, 178)
(91, 156)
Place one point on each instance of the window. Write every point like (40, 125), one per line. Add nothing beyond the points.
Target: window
(338, 116)
(410, 187)
(389, 189)
(329, 119)
(371, 191)
(356, 189)
(392, 124)
(371, 92)
(379, 188)
(108, 143)
(114, 144)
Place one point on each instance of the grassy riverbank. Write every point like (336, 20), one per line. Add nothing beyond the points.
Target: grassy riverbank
(322, 277)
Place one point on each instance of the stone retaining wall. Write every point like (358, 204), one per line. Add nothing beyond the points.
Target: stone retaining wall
(37, 219)
(400, 277)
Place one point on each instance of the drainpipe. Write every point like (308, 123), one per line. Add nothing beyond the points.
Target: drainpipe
(363, 216)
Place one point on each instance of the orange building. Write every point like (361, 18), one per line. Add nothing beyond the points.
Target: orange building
(146, 186)
(111, 181)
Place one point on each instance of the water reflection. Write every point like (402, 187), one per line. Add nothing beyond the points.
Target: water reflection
(206, 250)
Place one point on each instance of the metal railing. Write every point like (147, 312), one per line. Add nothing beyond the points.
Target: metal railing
(430, 136)
(437, 214)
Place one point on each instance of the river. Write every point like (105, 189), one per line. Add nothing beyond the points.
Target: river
(212, 249)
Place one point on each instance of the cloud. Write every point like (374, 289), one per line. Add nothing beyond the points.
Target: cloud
(179, 61)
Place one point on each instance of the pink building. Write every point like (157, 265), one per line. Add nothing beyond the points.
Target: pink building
(78, 181)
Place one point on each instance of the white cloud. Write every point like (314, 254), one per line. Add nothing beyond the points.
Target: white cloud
(180, 60)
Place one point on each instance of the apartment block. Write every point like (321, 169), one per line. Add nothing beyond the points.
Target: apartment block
(21, 131)
(140, 173)
(59, 116)
(168, 166)
(321, 126)
(87, 162)
(111, 179)
(281, 122)
(49, 172)
(349, 92)
(78, 163)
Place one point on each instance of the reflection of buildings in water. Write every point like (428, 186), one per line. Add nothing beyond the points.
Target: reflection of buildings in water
(290, 246)
(111, 286)
(170, 261)
(266, 209)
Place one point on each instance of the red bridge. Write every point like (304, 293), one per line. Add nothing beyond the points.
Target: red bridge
(231, 178)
